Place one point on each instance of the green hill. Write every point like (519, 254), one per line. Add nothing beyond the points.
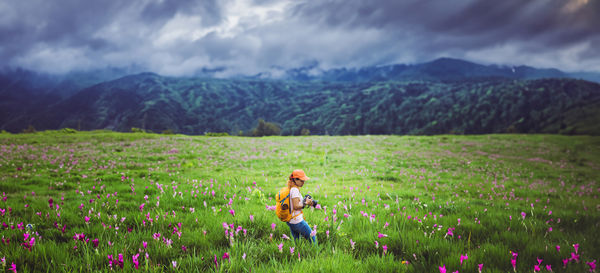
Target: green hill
(196, 106)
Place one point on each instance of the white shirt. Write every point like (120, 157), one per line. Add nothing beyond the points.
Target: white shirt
(296, 215)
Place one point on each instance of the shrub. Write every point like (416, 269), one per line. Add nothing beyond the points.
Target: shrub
(137, 130)
(266, 129)
(216, 134)
(29, 130)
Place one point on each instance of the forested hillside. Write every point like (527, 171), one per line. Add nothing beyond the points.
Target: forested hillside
(196, 106)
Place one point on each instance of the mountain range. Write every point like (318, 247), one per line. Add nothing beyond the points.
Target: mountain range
(438, 97)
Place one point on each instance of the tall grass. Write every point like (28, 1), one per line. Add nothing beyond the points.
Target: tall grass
(388, 203)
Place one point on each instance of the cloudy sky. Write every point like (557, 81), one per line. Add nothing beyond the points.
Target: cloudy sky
(183, 37)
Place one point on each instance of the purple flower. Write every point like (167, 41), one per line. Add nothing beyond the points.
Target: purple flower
(443, 269)
(592, 265)
(462, 258)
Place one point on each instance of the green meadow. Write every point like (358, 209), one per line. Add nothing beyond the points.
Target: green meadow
(102, 201)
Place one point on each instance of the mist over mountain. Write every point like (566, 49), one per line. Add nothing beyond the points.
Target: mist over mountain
(441, 96)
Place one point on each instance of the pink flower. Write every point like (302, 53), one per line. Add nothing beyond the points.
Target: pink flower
(13, 267)
(574, 257)
(592, 265)
(273, 225)
(232, 212)
(576, 246)
(565, 262)
(251, 218)
(352, 243)
(225, 256)
(536, 268)
(280, 246)
(136, 263)
(462, 258)
(142, 206)
(145, 244)
(381, 235)
(523, 214)
(480, 267)
(384, 249)
(87, 219)
(95, 242)
(549, 267)
(291, 250)
(443, 269)
(386, 225)
(285, 237)
(174, 263)
(557, 248)
(376, 244)
(121, 263)
(539, 260)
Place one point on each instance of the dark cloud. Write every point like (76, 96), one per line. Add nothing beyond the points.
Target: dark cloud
(182, 36)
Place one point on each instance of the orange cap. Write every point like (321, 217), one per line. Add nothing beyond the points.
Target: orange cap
(299, 174)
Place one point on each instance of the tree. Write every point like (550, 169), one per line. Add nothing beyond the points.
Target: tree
(266, 129)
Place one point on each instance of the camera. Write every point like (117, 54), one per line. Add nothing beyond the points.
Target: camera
(314, 202)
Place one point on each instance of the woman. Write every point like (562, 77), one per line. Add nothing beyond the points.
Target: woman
(297, 224)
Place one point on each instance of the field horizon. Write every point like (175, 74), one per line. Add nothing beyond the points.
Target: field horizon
(75, 201)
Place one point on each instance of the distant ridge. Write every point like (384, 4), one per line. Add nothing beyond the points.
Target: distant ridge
(438, 97)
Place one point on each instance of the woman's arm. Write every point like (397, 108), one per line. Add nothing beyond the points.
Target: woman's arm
(297, 203)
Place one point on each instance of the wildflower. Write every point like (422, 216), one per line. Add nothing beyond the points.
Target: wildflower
(557, 248)
(142, 206)
(136, 263)
(462, 258)
(291, 250)
(386, 225)
(443, 269)
(145, 244)
(523, 214)
(216, 262)
(576, 246)
(536, 268)
(244, 256)
(565, 262)
(183, 248)
(574, 257)
(95, 242)
(232, 212)
(381, 235)
(174, 263)
(251, 218)
(225, 256)
(280, 246)
(285, 237)
(480, 267)
(549, 267)
(13, 267)
(87, 219)
(384, 249)
(592, 265)
(121, 260)
(376, 244)
(352, 244)
(327, 232)
(273, 225)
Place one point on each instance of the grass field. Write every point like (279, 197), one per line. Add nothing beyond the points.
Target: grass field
(102, 201)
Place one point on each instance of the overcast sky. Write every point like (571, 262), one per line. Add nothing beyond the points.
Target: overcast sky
(183, 37)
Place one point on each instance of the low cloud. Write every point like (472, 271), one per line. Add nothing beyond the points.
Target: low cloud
(248, 37)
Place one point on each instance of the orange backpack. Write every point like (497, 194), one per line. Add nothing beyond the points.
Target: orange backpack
(283, 208)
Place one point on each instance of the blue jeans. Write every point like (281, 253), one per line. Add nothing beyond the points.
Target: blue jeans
(303, 229)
